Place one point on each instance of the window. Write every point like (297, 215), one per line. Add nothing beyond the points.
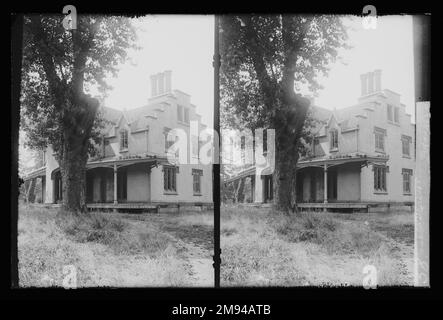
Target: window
(406, 142)
(380, 178)
(396, 115)
(316, 143)
(407, 173)
(123, 139)
(196, 180)
(242, 149)
(170, 179)
(195, 146)
(147, 140)
(379, 134)
(186, 115)
(334, 139)
(180, 116)
(265, 141)
(168, 143)
(44, 157)
(389, 112)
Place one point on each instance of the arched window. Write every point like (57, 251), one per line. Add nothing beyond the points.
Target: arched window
(334, 139)
(123, 139)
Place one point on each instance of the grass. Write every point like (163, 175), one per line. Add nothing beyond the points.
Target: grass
(265, 248)
(106, 249)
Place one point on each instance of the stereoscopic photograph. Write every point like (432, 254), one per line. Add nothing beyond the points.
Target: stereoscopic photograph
(298, 144)
(105, 200)
(318, 114)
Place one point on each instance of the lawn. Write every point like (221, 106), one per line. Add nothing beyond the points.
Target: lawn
(264, 248)
(114, 250)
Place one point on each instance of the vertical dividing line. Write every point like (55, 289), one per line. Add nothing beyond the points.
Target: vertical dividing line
(17, 46)
(422, 74)
(216, 164)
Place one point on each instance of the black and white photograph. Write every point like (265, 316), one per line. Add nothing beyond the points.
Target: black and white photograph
(103, 202)
(319, 162)
(195, 157)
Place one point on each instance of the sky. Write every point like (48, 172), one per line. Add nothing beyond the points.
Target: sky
(185, 45)
(182, 44)
(389, 47)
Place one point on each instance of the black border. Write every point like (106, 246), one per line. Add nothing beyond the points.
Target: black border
(165, 298)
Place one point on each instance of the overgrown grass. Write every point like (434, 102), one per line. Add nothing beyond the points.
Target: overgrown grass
(260, 247)
(106, 250)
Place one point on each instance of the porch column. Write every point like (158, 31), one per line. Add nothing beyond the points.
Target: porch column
(325, 183)
(115, 184)
(258, 189)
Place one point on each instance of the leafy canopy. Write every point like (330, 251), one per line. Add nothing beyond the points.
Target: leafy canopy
(60, 68)
(260, 53)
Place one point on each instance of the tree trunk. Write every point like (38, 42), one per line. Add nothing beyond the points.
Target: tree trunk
(288, 125)
(73, 173)
(239, 196)
(284, 182)
(75, 154)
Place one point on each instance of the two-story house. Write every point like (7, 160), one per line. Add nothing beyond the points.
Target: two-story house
(362, 155)
(132, 169)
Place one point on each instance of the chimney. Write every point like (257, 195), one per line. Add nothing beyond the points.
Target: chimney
(161, 83)
(153, 85)
(364, 84)
(377, 74)
(168, 81)
(370, 82)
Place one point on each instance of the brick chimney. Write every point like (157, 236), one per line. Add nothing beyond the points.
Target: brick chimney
(364, 84)
(160, 83)
(377, 75)
(370, 82)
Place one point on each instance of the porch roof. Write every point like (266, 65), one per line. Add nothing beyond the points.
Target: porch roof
(40, 172)
(338, 159)
(123, 161)
(251, 171)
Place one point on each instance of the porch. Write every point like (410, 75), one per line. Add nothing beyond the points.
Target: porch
(140, 207)
(124, 183)
(331, 183)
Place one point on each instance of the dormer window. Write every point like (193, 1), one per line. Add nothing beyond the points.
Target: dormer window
(123, 139)
(334, 139)
(265, 141)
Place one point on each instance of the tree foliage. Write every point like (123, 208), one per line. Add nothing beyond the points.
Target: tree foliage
(59, 65)
(60, 69)
(266, 60)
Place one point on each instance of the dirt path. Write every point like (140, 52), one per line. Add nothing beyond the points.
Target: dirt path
(194, 243)
(404, 254)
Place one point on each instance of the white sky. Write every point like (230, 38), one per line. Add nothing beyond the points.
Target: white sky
(182, 44)
(389, 47)
(185, 44)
